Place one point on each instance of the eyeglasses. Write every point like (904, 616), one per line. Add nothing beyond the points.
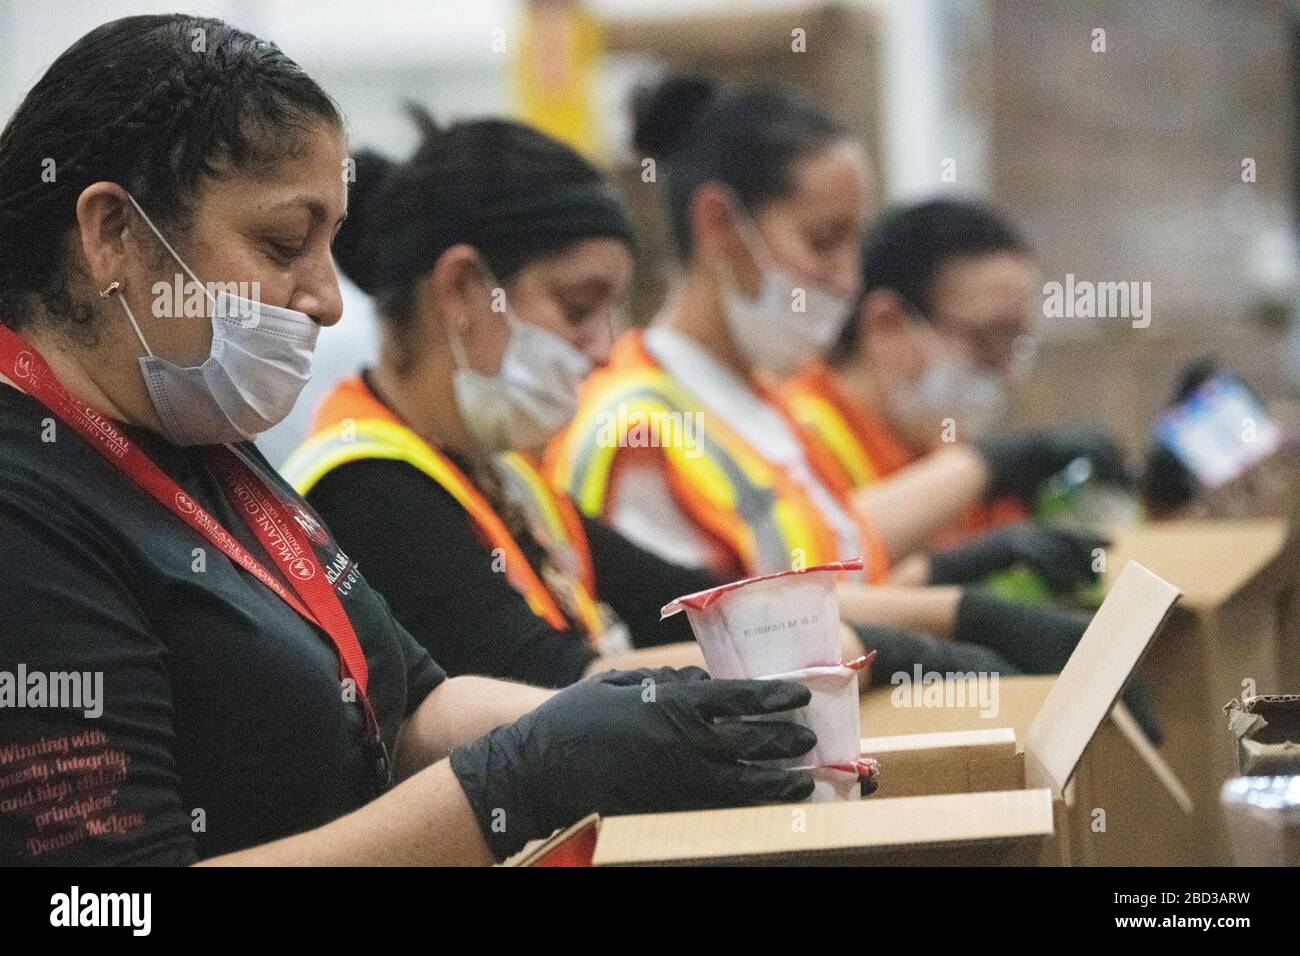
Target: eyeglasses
(1001, 345)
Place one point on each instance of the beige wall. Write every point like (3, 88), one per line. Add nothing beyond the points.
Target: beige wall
(1126, 165)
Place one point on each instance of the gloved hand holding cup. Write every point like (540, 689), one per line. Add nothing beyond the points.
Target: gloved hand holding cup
(786, 628)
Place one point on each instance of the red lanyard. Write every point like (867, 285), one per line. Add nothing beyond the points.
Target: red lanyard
(315, 598)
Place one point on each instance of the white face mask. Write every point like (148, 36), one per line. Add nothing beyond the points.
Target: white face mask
(791, 323)
(259, 361)
(952, 388)
(530, 400)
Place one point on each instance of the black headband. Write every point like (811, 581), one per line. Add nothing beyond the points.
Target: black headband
(559, 216)
(590, 210)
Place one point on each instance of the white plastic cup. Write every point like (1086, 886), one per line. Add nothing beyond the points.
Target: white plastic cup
(832, 713)
(768, 625)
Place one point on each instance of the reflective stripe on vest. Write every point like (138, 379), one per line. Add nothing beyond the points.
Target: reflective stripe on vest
(819, 416)
(555, 524)
(865, 451)
(352, 439)
(726, 487)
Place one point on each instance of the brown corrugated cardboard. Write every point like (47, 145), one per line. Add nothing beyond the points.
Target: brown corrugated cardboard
(978, 829)
(1005, 827)
(1151, 818)
(1128, 728)
(1078, 700)
(1127, 811)
(1266, 731)
(1057, 718)
(1019, 699)
(1134, 611)
(1225, 632)
(957, 761)
(1191, 555)
(1289, 604)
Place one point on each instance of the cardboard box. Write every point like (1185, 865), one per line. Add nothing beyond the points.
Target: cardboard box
(970, 829)
(1019, 700)
(1225, 632)
(1146, 820)
(1130, 808)
(952, 761)
(1022, 824)
(1266, 734)
(1058, 720)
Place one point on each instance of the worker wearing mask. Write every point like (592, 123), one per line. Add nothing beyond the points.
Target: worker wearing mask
(678, 444)
(492, 312)
(909, 402)
(245, 670)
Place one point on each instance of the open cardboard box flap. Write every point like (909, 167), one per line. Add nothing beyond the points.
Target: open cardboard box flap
(1134, 611)
(1083, 693)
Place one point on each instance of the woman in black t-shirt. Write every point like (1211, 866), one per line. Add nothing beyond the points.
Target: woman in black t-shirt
(191, 668)
(427, 466)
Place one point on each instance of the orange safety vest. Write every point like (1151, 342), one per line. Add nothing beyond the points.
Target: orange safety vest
(352, 424)
(759, 518)
(865, 449)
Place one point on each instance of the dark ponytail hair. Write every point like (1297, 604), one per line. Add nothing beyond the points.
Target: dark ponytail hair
(155, 103)
(512, 192)
(748, 138)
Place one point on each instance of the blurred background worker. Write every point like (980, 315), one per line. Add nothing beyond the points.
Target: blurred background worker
(497, 257)
(918, 386)
(767, 198)
(679, 445)
(675, 444)
(1121, 174)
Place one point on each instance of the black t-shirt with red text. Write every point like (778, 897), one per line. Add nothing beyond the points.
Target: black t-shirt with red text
(220, 722)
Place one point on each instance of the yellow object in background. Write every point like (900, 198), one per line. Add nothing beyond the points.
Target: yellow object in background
(554, 66)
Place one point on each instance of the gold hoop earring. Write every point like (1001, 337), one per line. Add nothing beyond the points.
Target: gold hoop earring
(112, 288)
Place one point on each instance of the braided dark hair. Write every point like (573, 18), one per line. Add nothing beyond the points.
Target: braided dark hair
(155, 103)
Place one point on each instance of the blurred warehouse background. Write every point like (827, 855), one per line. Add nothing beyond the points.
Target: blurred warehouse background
(1150, 141)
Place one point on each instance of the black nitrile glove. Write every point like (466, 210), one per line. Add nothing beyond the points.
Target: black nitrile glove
(1039, 640)
(642, 741)
(1021, 463)
(1062, 558)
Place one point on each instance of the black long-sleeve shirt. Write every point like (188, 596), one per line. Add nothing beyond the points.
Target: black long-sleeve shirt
(418, 547)
(203, 690)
